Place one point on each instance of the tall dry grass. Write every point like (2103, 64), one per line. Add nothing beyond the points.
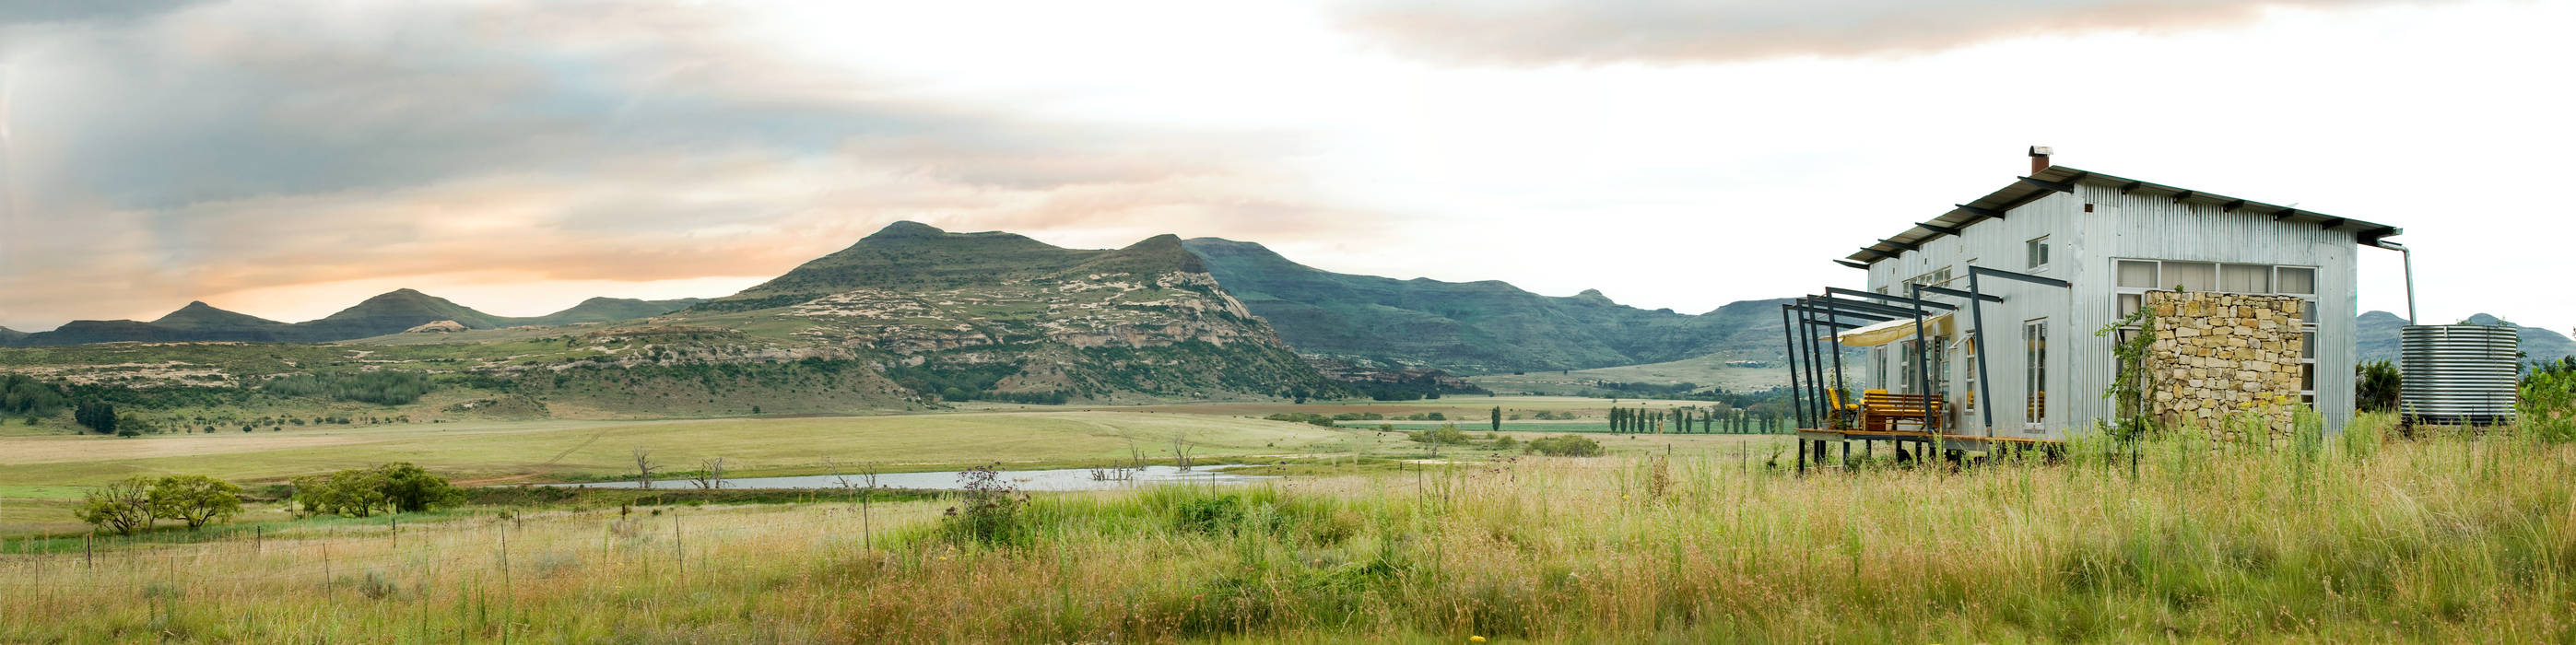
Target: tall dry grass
(2450, 538)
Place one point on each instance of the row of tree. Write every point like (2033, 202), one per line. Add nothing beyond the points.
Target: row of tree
(99, 416)
(1708, 420)
(23, 394)
(360, 492)
(133, 504)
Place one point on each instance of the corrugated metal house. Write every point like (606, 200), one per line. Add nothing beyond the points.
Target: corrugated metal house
(2113, 239)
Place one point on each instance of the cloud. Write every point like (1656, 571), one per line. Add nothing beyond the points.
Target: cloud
(87, 11)
(254, 147)
(1538, 32)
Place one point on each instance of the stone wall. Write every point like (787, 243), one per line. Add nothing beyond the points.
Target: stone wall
(2219, 359)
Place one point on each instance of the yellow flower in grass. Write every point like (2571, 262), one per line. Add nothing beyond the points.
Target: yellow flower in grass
(1475, 639)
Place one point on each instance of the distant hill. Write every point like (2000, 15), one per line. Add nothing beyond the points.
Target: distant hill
(905, 256)
(199, 315)
(8, 336)
(1475, 327)
(609, 310)
(991, 314)
(387, 313)
(391, 313)
(2376, 336)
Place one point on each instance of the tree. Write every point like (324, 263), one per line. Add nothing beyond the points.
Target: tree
(124, 507)
(195, 499)
(411, 489)
(360, 492)
(98, 416)
(644, 467)
(354, 493)
(1498, 418)
(710, 474)
(2377, 383)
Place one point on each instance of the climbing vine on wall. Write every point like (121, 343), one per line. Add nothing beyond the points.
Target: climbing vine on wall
(2128, 392)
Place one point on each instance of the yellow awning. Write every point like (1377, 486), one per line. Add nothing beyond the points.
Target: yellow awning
(1892, 331)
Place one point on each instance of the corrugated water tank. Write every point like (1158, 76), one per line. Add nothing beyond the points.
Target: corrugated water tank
(2459, 374)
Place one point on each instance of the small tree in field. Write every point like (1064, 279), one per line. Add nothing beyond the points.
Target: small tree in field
(195, 499)
(989, 511)
(360, 492)
(354, 493)
(644, 467)
(124, 507)
(411, 489)
(710, 474)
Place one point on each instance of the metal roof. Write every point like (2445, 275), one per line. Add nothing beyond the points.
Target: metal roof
(2025, 190)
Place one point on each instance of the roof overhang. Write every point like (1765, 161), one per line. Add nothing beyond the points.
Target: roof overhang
(2055, 179)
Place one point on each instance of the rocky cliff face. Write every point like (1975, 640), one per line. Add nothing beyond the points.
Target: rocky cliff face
(994, 314)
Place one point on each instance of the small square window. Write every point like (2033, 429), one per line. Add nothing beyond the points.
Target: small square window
(2037, 249)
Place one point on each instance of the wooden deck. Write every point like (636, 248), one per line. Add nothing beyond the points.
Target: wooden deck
(1941, 441)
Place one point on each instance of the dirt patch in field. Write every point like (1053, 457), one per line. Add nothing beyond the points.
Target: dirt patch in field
(58, 449)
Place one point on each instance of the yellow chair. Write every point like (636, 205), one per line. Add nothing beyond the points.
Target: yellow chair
(1838, 412)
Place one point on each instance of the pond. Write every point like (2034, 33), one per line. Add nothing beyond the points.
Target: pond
(1063, 479)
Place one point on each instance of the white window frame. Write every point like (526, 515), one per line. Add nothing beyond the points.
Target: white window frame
(2035, 246)
(2308, 311)
(2034, 377)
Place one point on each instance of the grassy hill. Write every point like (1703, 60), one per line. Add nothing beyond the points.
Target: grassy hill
(1474, 327)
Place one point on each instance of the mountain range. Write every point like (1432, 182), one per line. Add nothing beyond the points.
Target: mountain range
(1474, 327)
(913, 314)
(387, 313)
(2377, 337)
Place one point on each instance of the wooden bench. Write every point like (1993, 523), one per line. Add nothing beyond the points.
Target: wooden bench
(1880, 411)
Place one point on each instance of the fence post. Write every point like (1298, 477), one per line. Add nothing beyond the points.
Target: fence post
(679, 552)
(511, 600)
(88, 561)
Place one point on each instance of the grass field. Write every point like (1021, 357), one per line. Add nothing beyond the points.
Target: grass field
(39, 475)
(2445, 539)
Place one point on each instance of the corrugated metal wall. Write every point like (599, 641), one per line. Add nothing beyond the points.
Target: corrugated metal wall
(2156, 228)
(2082, 248)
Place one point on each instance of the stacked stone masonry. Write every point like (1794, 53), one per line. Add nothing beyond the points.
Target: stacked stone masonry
(2224, 363)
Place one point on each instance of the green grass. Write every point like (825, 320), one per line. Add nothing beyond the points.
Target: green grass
(2450, 538)
(557, 450)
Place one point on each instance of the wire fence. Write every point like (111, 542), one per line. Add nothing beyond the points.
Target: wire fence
(500, 546)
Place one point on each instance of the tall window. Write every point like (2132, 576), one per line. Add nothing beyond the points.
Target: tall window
(1968, 355)
(2137, 277)
(2034, 338)
(2037, 250)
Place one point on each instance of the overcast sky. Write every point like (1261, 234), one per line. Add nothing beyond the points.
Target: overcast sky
(287, 159)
